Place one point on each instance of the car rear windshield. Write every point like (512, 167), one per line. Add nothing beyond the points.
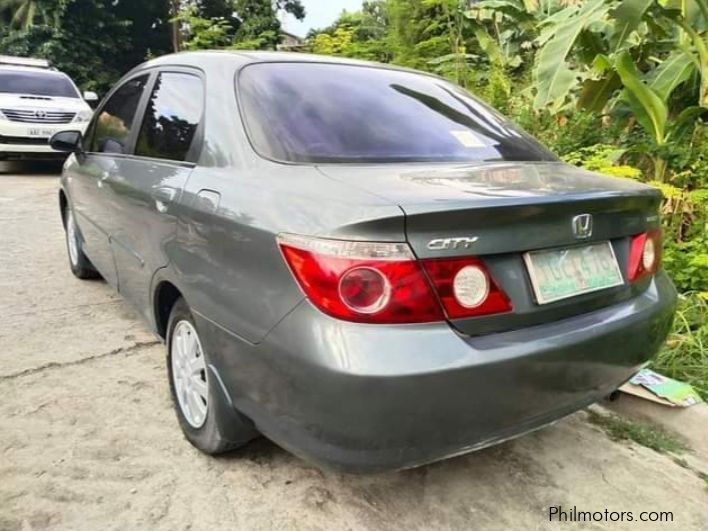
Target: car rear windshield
(37, 84)
(317, 112)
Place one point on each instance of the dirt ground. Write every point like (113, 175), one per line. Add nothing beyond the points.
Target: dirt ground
(88, 438)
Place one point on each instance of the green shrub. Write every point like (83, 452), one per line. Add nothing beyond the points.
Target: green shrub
(603, 158)
(687, 264)
(685, 355)
(563, 134)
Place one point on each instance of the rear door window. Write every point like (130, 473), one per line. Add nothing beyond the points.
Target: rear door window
(114, 123)
(172, 116)
(318, 112)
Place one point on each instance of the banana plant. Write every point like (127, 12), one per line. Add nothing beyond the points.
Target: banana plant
(648, 104)
(554, 78)
(574, 40)
(595, 51)
(512, 25)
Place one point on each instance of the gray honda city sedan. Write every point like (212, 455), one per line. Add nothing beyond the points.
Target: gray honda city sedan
(363, 263)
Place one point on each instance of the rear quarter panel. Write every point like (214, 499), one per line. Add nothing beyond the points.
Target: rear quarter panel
(226, 256)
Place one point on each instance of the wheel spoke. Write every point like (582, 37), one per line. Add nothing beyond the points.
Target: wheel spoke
(196, 364)
(71, 238)
(190, 345)
(182, 344)
(200, 387)
(196, 405)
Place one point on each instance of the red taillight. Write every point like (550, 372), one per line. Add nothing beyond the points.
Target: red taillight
(372, 282)
(465, 287)
(644, 255)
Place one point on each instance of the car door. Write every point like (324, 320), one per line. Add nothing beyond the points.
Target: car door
(107, 140)
(147, 184)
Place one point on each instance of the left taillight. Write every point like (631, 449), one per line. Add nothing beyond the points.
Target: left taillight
(380, 282)
(465, 287)
(644, 255)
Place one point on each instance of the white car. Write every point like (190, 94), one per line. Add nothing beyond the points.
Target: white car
(36, 101)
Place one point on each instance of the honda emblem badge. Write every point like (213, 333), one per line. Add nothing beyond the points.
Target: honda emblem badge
(582, 226)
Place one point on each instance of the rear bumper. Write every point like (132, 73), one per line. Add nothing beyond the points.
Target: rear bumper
(369, 398)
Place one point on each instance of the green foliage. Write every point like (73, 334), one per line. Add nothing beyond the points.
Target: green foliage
(94, 42)
(362, 34)
(259, 25)
(605, 54)
(553, 78)
(204, 33)
(563, 134)
(685, 355)
(687, 264)
(234, 24)
(22, 14)
(338, 43)
(622, 429)
(603, 158)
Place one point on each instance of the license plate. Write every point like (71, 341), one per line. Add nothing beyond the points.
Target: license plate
(36, 131)
(562, 273)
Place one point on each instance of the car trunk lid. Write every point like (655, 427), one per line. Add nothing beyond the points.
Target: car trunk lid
(500, 211)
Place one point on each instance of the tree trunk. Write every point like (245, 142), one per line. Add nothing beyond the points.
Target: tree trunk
(175, 29)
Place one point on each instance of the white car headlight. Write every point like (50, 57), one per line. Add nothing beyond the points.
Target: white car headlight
(2, 116)
(83, 116)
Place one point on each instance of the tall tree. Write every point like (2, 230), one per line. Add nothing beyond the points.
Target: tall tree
(239, 24)
(361, 34)
(259, 25)
(23, 13)
(94, 41)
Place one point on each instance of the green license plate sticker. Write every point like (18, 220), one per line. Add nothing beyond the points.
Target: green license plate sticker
(562, 273)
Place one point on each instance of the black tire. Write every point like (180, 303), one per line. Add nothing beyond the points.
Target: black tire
(223, 428)
(79, 263)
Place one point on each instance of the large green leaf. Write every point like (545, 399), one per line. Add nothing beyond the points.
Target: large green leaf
(698, 39)
(597, 92)
(628, 15)
(701, 47)
(649, 109)
(675, 69)
(685, 120)
(489, 46)
(552, 76)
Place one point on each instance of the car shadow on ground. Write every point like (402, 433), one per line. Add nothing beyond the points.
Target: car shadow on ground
(48, 168)
(261, 451)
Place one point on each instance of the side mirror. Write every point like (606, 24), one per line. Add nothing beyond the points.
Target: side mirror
(90, 96)
(67, 141)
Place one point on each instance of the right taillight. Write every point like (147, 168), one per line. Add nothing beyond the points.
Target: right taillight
(380, 282)
(644, 255)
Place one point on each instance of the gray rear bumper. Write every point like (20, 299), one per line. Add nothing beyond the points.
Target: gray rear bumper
(368, 397)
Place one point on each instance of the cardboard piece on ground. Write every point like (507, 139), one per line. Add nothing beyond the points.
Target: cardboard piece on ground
(657, 388)
(641, 392)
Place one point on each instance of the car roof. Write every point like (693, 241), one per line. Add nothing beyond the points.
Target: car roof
(243, 57)
(30, 69)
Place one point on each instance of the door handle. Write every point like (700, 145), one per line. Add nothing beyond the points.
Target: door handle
(163, 196)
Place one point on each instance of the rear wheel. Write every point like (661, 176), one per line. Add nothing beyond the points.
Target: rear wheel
(195, 391)
(80, 265)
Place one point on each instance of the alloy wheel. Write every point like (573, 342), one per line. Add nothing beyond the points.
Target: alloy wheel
(72, 238)
(189, 374)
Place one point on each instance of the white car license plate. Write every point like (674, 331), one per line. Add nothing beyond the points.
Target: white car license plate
(561, 273)
(39, 132)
